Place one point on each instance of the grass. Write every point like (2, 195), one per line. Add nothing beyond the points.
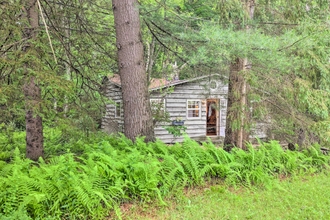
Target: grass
(293, 198)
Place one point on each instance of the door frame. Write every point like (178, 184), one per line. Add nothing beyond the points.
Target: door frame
(212, 129)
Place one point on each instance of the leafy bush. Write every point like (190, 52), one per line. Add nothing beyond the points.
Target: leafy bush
(95, 175)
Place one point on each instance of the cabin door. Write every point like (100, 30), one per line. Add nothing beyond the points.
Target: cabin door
(212, 117)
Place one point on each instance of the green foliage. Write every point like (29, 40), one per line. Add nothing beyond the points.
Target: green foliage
(175, 130)
(70, 81)
(159, 113)
(105, 171)
(286, 44)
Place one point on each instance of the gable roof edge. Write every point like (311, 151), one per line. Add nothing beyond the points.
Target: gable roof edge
(174, 83)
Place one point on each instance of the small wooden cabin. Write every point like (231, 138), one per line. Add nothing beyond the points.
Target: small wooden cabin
(201, 102)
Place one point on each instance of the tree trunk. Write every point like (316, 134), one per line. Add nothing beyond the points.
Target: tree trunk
(33, 122)
(32, 93)
(237, 119)
(238, 111)
(137, 110)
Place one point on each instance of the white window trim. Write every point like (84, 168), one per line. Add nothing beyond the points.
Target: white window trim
(118, 104)
(199, 108)
(216, 85)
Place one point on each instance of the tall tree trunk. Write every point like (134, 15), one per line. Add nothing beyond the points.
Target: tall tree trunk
(236, 133)
(32, 92)
(237, 120)
(137, 110)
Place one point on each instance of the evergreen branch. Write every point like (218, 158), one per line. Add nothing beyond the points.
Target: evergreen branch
(82, 8)
(168, 48)
(284, 48)
(46, 28)
(289, 113)
(12, 44)
(94, 41)
(176, 14)
(171, 35)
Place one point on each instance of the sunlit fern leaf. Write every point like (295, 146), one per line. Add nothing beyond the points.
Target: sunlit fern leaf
(220, 170)
(160, 147)
(172, 175)
(190, 164)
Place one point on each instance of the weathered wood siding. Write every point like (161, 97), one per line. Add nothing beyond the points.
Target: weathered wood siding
(176, 105)
(111, 123)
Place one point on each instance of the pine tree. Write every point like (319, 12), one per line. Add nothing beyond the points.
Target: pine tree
(32, 92)
(137, 110)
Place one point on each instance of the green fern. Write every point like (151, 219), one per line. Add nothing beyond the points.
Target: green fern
(192, 162)
(172, 175)
(111, 170)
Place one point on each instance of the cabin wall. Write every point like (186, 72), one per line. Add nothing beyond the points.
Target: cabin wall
(111, 123)
(176, 105)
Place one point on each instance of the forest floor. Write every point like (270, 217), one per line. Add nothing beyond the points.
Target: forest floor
(300, 197)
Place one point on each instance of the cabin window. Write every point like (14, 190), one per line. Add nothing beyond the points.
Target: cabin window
(193, 109)
(213, 85)
(118, 108)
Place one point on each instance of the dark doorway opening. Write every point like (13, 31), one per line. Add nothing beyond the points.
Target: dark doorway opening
(212, 117)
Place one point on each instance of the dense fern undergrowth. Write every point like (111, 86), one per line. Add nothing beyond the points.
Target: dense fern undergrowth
(89, 177)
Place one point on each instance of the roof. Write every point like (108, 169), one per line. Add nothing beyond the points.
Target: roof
(156, 83)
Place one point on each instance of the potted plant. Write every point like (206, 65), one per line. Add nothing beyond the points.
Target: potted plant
(178, 121)
(177, 127)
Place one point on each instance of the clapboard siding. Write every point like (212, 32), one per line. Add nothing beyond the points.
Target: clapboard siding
(176, 105)
(110, 123)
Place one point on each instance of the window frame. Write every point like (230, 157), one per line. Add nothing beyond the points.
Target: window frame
(118, 105)
(215, 83)
(189, 109)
